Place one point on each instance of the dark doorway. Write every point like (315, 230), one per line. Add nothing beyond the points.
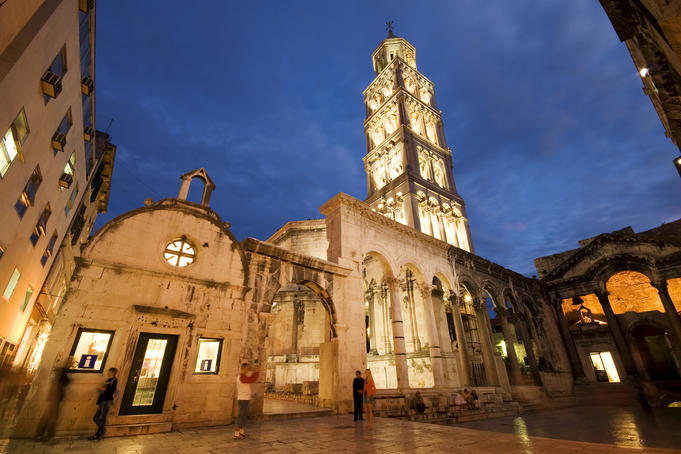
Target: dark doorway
(145, 390)
(655, 351)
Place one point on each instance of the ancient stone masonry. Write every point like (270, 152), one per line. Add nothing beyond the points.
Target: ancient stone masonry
(617, 300)
(167, 295)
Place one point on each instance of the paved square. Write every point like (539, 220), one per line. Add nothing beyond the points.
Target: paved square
(327, 434)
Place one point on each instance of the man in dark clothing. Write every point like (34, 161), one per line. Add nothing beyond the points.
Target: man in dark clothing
(357, 394)
(104, 403)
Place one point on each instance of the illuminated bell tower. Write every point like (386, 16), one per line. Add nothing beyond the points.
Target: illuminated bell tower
(408, 164)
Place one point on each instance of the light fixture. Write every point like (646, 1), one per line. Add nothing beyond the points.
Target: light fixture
(644, 72)
(467, 298)
(677, 164)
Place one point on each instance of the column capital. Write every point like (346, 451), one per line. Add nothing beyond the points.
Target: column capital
(602, 295)
(392, 282)
(661, 285)
(425, 289)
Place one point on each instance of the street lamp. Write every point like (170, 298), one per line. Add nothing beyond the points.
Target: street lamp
(677, 164)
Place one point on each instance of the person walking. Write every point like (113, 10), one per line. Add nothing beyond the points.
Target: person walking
(48, 423)
(243, 388)
(357, 395)
(369, 391)
(107, 395)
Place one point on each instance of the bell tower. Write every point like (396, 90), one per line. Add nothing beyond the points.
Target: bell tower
(408, 163)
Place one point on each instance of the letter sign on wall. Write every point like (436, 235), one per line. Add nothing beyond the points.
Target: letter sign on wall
(87, 361)
(205, 365)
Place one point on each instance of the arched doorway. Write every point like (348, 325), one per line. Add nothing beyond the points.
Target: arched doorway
(298, 370)
(378, 320)
(654, 350)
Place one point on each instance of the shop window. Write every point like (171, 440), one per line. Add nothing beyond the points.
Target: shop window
(90, 350)
(41, 226)
(27, 196)
(208, 357)
(49, 249)
(12, 284)
(27, 298)
(12, 140)
(180, 253)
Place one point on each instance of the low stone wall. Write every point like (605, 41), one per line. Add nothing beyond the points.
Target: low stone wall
(301, 399)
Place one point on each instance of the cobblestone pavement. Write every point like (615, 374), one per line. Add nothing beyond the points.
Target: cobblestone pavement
(327, 434)
(624, 426)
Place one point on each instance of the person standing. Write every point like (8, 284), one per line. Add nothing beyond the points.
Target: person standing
(243, 390)
(107, 393)
(369, 391)
(357, 395)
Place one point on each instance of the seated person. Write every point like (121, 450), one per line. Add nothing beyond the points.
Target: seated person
(476, 399)
(459, 399)
(418, 403)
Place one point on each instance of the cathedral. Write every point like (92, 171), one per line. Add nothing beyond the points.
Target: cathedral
(167, 295)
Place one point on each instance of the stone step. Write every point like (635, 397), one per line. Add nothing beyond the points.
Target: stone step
(122, 430)
(302, 414)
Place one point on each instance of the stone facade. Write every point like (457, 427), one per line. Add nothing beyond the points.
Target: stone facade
(167, 296)
(617, 299)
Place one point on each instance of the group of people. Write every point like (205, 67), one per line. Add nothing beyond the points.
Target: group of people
(363, 390)
(469, 399)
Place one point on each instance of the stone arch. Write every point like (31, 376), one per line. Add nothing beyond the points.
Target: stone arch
(273, 282)
(604, 269)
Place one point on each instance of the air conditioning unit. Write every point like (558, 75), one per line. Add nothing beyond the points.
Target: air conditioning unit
(88, 133)
(51, 84)
(58, 141)
(86, 5)
(66, 180)
(87, 86)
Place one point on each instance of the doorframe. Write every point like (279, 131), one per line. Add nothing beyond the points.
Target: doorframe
(167, 369)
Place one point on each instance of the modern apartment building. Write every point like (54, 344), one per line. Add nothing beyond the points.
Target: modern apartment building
(55, 168)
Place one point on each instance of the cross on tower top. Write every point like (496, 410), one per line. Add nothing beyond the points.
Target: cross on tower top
(389, 27)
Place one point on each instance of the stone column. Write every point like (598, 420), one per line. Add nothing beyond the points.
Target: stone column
(429, 304)
(516, 376)
(577, 367)
(672, 316)
(616, 331)
(400, 351)
(529, 348)
(486, 342)
(371, 297)
(461, 338)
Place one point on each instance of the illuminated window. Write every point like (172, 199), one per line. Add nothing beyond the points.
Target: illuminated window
(180, 253)
(208, 358)
(11, 141)
(12, 284)
(69, 175)
(90, 350)
(27, 298)
(27, 196)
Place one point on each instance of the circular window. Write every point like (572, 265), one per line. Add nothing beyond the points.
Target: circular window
(180, 253)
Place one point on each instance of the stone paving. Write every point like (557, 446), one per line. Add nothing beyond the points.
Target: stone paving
(327, 434)
(624, 426)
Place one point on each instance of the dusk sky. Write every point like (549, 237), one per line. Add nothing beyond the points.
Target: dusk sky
(553, 139)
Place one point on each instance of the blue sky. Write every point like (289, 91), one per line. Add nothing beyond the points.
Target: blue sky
(553, 139)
